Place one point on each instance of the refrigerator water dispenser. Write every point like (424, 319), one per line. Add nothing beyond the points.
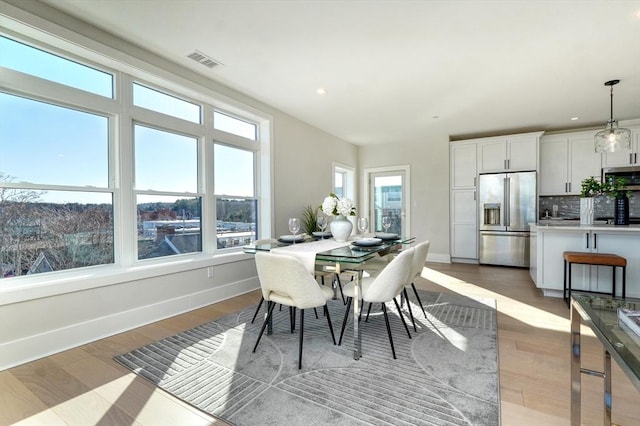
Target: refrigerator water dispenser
(492, 213)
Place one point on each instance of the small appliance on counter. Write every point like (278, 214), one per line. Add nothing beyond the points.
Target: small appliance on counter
(507, 204)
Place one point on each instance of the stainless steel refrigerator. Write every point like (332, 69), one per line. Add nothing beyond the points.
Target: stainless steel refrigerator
(507, 204)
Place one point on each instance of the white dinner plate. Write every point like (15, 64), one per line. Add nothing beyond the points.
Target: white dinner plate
(367, 242)
(291, 238)
(386, 236)
(325, 234)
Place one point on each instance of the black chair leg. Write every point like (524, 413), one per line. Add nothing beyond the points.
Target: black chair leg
(326, 313)
(292, 318)
(386, 319)
(270, 306)
(340, 287)
(368, 312)
(257, 310)
(344, 321)
(316, 312)
(406, 297)
(301, 333)
(402, 317)
(415, 291)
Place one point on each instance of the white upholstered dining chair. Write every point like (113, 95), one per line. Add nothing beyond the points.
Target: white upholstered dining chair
(419, 258)
(257, 243)
(285, 280)
(383, 288)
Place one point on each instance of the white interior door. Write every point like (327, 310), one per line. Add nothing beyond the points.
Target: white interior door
(387, 196)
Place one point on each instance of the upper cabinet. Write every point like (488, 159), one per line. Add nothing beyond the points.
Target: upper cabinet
(508, 153)
(565, 160)
(463, 165)
(625, 158)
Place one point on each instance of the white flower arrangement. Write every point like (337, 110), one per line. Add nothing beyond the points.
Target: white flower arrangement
(334, 206)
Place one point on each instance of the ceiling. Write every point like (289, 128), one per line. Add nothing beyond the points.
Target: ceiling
(402, 71)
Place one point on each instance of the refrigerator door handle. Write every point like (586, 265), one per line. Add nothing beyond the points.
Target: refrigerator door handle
(507, 210)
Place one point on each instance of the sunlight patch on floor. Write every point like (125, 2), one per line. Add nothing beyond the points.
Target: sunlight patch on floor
(447, 333)
(515, 309)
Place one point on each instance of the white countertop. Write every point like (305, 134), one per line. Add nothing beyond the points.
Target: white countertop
(573, 225)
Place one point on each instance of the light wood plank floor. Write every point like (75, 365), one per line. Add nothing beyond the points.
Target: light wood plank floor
(84, 386)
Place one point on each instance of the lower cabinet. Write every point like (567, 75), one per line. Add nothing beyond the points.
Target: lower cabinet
(464, 228)
(551, 242)
(624, 244)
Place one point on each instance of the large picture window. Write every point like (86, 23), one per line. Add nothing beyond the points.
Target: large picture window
(236, 204)
(49, 220)
(92, 180)
(166, 178)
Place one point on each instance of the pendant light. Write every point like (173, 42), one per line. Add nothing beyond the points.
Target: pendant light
(612, 138)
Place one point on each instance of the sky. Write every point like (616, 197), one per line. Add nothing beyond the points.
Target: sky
(42, 143)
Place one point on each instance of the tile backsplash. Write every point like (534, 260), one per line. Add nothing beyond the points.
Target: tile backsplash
(569, 206)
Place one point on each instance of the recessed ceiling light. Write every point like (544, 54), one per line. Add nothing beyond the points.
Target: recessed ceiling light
(575, 118)
(320, 91)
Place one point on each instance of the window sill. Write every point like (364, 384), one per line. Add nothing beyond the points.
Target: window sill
(29, 287)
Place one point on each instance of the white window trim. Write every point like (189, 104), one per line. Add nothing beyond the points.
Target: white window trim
(366, 173)
(23, 25)
(349, 181)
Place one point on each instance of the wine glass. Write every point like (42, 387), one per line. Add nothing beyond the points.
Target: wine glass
(294, 227)
(363, 225)
(386, 223)
(322, 223)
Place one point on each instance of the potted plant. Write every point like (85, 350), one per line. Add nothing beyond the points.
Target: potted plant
(614, 187)
(310, 219)
(590, 188)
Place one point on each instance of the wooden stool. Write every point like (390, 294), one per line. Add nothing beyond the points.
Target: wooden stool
(600, 259)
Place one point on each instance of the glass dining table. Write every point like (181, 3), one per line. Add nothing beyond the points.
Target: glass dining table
(618, 341)
(342, 258)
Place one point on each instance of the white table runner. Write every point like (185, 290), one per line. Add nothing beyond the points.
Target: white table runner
(306, 252)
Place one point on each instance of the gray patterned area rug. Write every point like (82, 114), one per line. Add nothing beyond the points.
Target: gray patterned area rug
(447, 374)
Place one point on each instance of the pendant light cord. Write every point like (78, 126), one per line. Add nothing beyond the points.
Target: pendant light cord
(612, 105)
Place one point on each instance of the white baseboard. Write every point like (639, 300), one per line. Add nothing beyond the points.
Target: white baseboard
(438, 258)
(37, 346)
(464, 260)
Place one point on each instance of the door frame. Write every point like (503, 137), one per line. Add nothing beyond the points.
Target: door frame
(406, 192)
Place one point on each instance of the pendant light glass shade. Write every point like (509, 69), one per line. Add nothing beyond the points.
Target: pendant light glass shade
(612, 138)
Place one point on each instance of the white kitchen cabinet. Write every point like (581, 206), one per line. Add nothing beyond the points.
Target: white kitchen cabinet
(464, 225)
(463, 165)
(552, 241)
(550, 246)
(554, 160)
(565, 160)
(623, 244)
(625, 158)
(463, 205)
(508, 153)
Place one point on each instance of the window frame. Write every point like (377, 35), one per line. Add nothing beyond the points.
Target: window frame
(127, 69)
(348, 179)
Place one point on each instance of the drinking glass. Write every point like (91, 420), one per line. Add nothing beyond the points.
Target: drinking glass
(322, 223)
(294, 227)
(363, 225)
(386, 223)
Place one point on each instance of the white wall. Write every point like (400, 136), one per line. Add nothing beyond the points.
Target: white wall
(429, 163)
(302, 174)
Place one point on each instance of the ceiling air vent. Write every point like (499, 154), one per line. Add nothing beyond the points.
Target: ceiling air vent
(204, 59)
